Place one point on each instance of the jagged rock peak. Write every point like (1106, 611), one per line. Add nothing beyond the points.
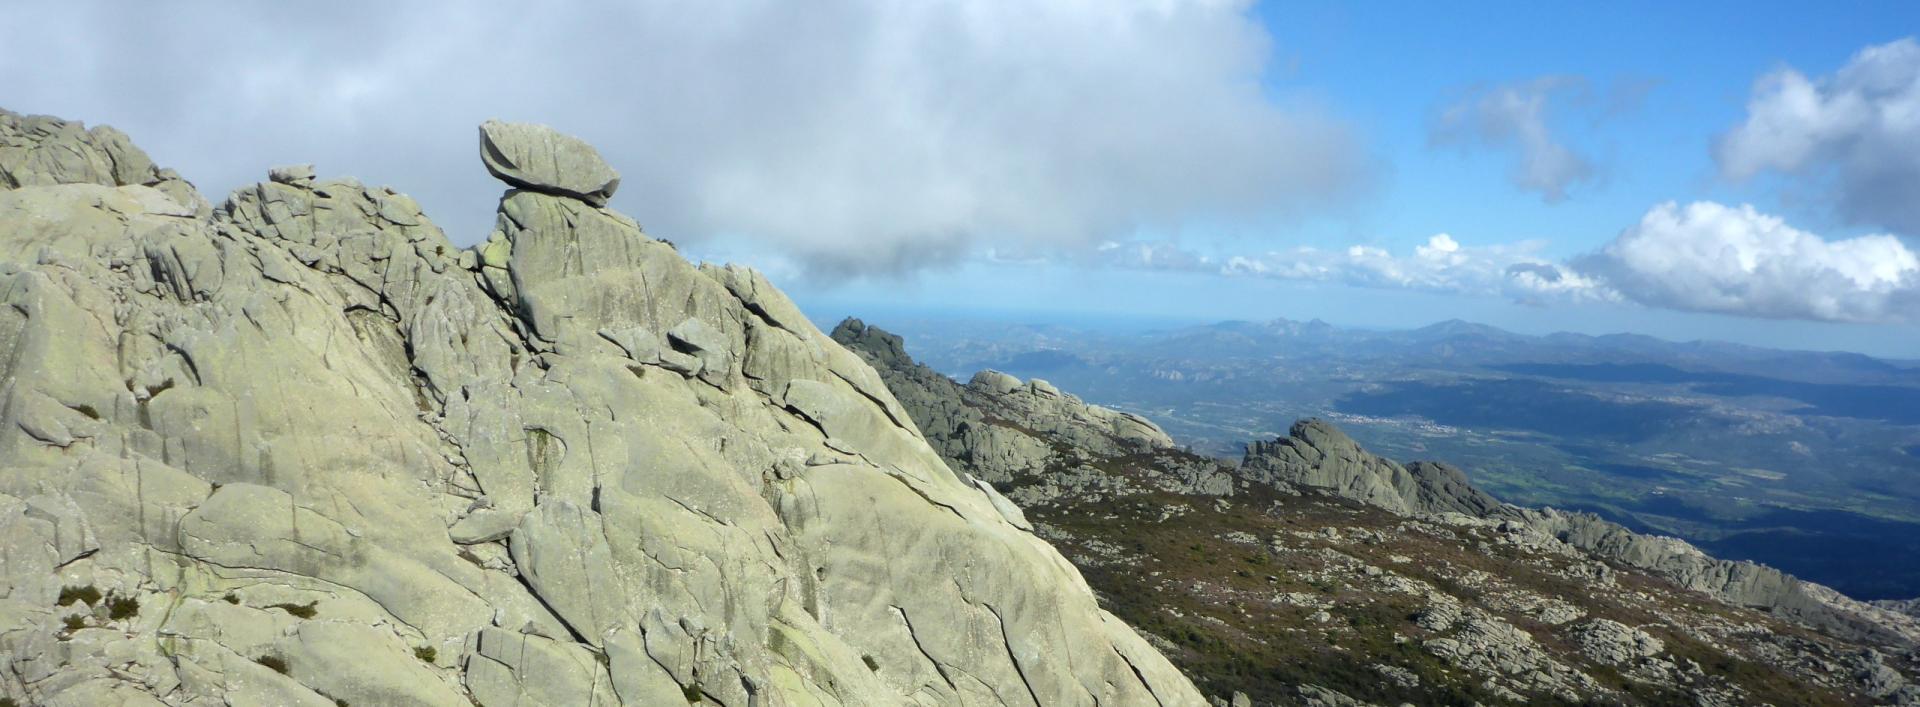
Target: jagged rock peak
(883, 348)
(1311, 433)
(537, 157)
(1028, 437)
(304, 451)
(1317, 454)
(41, 150)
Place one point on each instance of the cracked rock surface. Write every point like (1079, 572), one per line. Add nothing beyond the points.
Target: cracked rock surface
(298, 449)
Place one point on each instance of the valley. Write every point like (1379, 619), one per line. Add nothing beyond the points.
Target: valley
(1801, 460)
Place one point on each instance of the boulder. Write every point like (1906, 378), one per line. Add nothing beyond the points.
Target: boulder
(542, 159)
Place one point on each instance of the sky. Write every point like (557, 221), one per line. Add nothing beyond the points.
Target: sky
(1739, 171)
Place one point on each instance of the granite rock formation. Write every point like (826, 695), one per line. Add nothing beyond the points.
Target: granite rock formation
(1025, 437)
(299, 449)
(1315, 454)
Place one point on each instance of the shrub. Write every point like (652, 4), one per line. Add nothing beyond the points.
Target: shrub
(87, 594)
(426, 653)
(273, 662)
(119, 607)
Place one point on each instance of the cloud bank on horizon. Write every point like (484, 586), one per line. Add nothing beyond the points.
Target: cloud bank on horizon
(1701, 257)
(859, 137)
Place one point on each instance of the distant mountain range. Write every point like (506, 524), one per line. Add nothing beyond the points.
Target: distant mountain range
(1483, 344)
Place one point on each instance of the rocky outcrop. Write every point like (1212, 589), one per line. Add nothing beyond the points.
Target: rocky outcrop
(1910, 607)
(302, 450)
(1739, 583)
(40, 150)
(1027, 437)
(1315, 454)
(1614, 643)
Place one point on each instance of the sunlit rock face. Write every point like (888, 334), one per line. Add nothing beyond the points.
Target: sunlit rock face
(299, 449)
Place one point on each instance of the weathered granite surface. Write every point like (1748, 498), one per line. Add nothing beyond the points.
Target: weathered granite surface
(301, 450)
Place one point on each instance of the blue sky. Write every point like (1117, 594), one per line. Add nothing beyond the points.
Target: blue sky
(1742, 171)
(1385, 68)
(1386, 65)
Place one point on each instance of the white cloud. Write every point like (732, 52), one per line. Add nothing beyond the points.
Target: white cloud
(1714, 258)
(1517, 116)
(1857, 131)
(1441, 248)
(1441, 264)
(1552, 283)
(848, 135)
(1704, 257)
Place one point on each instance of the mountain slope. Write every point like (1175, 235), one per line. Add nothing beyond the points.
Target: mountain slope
(1317, 573)
(1316, 455)
(299, 449)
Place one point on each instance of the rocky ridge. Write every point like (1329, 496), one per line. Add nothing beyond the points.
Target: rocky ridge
(1007, 431)
(300, 449)
(1317, 455)
(1317, 573)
